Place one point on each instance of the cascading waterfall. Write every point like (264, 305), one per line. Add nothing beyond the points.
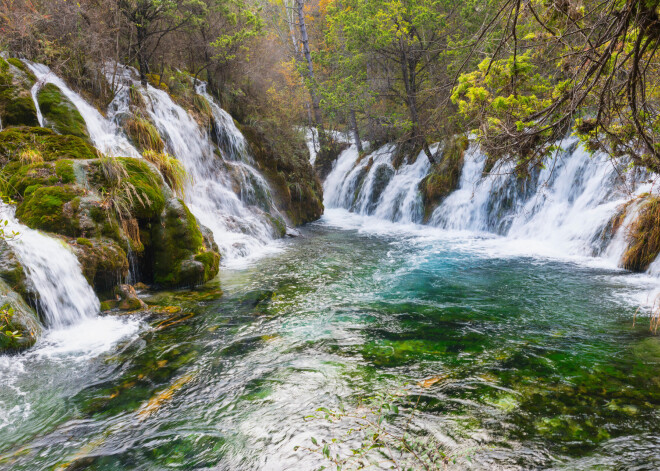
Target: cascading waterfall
(372, 186)
(104, 133)
(566, 206)
(227, 194)
(64, 295)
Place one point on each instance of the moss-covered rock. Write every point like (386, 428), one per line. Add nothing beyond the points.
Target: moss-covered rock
(12, 272)
(19, 324)
(182, 256)
(149, 199)
(59, 113)
(104, 263)
(16, 104)
(444, 175)
(298, 192)
(51, 208)
(15, 142)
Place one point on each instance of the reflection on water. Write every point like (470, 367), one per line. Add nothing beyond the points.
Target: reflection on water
(533, 362)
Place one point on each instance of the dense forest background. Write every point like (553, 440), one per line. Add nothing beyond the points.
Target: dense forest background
(519, 73)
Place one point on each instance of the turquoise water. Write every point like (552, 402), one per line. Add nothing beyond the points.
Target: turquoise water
(528, 362)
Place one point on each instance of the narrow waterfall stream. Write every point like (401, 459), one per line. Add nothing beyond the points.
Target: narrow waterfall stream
(64, 296)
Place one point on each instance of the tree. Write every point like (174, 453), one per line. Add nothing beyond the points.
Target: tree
(403, 41)
(152, 20)
(591, 67)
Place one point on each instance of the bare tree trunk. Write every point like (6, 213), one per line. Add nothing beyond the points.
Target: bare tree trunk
(356, 131)
(143, 64)
(316, 107)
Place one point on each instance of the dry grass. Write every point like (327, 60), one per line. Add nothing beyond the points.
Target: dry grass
(144, 134)
(121, 196)
(30, 156)
(644, 237)
(171, 169)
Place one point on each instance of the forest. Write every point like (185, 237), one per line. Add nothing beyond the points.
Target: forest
(329, 234)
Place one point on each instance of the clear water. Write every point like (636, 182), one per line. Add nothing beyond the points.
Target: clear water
(541, 366)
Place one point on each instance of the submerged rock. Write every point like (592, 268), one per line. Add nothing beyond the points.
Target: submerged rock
(128, 299)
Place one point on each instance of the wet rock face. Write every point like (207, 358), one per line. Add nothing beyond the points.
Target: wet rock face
(19, 324)
(104, 263)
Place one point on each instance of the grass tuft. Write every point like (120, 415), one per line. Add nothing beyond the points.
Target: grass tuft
(644, 237)
(171, 169)
(144, 134)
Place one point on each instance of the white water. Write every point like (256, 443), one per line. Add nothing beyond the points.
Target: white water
(562, 211)
(104, 133)
(373, 186)
(65, 297)
(227, 194)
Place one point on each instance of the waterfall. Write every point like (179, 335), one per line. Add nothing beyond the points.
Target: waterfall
(65, 298)
(373, 186)
(104, 133)
(567, 206)
(227, 194)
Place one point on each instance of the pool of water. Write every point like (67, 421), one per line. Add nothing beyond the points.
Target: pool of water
(529, 362)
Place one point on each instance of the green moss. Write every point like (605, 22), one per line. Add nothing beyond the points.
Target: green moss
(211, 262)
(16, 104)
(59, 113)
(180, 255)
(30, 176)
(84, 241)
(23, 68)
(64, 170)
(44, 209)
(50, 145)
(147, 184)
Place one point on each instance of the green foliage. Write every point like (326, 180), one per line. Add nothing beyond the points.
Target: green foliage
(10, 335)
(59, 113)
(243, 23)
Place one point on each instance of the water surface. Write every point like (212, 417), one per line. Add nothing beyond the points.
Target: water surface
(534, 361)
